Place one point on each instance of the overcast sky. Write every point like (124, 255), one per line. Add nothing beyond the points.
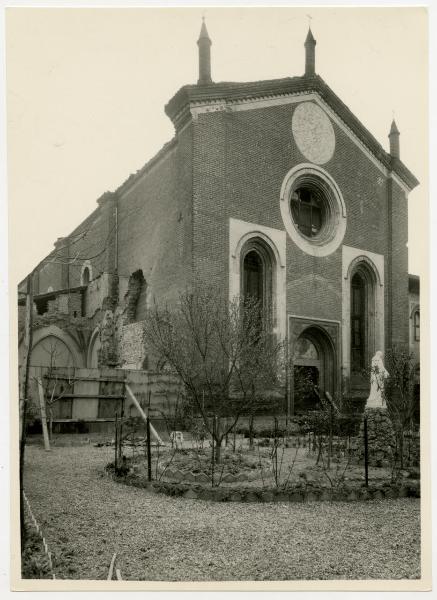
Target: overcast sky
(86, 90)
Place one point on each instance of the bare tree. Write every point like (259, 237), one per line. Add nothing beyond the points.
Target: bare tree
(223, 352)
(398, 393)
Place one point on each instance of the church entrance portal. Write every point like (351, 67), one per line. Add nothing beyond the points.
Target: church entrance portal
(313, 369)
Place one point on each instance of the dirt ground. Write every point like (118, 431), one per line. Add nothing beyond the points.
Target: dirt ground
(86, 517)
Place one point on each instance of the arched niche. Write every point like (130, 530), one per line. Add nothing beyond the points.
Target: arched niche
(53, 347)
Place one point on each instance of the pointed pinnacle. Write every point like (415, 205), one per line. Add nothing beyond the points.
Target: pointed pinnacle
(394, 128)
(204, 31)
(310, 38)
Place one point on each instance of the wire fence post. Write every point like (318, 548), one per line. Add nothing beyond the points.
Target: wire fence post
(366, 452)
(212, 450)
(331, 433)
(116, 441)
(149, 455)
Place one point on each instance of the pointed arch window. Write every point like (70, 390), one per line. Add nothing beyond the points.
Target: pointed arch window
(254, 277)
(358, 323)
(257, 276)
(362, 317)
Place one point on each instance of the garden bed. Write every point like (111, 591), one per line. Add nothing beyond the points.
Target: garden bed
(257, 475)
(310, 493)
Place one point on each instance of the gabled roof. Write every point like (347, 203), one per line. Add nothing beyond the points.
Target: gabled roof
(230, 92)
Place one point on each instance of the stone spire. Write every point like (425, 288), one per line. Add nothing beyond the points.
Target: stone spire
(204, 44)
(393, 136)
(310, 54)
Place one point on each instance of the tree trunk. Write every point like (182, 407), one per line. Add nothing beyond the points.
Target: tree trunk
(251, 431)
(217, 454)
(51, 425)
(401, 448)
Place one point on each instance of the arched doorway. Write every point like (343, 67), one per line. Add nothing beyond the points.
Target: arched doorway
(313, 369)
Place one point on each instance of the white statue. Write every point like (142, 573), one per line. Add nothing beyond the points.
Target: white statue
(378, 376)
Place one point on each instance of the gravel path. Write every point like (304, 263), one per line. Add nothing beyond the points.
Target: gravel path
(87, 517)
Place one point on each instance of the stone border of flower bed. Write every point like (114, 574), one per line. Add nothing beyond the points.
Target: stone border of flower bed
(179, 476)
(310, 493)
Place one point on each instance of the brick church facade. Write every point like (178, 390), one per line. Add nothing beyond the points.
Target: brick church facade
(272, 188)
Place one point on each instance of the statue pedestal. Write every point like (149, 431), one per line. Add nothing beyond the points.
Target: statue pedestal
(375, 402)
(380, 435)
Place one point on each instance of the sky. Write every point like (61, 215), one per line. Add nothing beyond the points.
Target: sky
(86, 90)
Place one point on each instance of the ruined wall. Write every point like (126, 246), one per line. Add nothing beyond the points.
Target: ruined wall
(132, 350)
(97, 291)
(155, 223)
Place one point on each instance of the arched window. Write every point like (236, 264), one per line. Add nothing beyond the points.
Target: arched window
(416, 325)
(358, 323)
(257, 275)
(253, 277)
(86, 276)
(363, 316)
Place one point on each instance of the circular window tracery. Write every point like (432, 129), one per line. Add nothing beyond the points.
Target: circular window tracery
(313, 210)
(307, 210)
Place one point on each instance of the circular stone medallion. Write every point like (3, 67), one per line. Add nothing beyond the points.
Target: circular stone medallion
(313, 133)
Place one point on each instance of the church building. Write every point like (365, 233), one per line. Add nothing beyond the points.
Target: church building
(270, 188)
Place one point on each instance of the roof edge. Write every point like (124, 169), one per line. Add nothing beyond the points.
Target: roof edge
(229, 92)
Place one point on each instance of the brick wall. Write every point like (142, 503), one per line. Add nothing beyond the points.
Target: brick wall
(97, 290)
(75, 304)
(173, 219)
(50, 275)
(155, 224)
(131, 347)
(398, 262)
(93, 238)
(240, 161)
